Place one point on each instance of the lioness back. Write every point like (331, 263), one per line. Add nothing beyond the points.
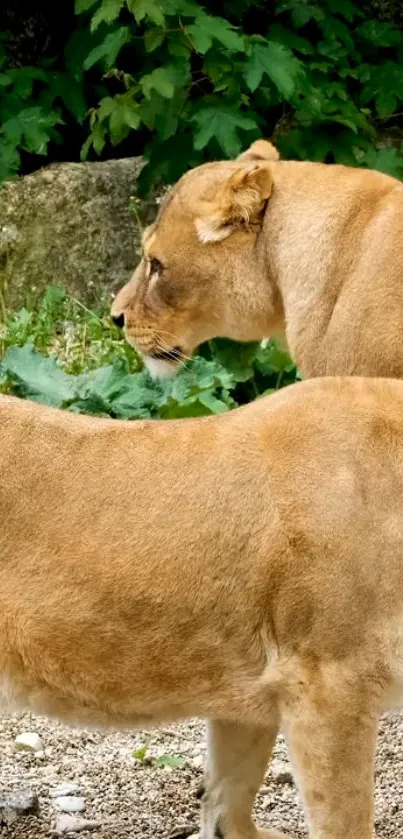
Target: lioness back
(246, 568)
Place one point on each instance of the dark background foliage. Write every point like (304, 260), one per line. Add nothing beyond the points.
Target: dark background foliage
(181, 82)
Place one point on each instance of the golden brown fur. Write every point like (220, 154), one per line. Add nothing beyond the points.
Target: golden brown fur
(246, 568)
(259, 247)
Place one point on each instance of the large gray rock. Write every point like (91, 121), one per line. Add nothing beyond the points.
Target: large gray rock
(13, 805)
(72, 224)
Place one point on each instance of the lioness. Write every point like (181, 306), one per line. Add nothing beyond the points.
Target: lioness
(246, 568)
(259, 247)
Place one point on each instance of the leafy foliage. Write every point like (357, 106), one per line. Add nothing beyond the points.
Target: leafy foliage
(204, 387)
(61, 326)
(34, 104)
(187, 81)
(223, 376)
(164, 761)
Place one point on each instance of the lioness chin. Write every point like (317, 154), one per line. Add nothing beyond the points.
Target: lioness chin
(259, 247)
(247, 569)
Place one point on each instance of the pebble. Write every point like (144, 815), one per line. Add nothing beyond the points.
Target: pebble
(70, 803)
(281, 772)
(28, 741)
(71, 824)
(185, 831)
(65, 789)
(16, 804)
(149, 803)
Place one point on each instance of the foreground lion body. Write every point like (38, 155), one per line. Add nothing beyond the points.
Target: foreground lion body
(246, 568)
(259, 247)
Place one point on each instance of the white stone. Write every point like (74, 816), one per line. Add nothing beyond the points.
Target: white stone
(70, 803)
(65, 789)
(28, 741)
(71, 824)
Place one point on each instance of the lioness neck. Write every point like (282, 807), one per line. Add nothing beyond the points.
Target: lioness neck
(319, 230)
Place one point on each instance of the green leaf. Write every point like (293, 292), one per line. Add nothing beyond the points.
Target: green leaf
(98, 389)
(164, 80)
(290, 39)
(31, 129)
(108, 51)
(223, 124)
(154, 38)
(158, 80)
(205, 29)
(141, 753)
(5, 81)
(9, 161)
(162, 116)
(214, 405)
(388, 160)
(191, 382)
(345, 8)
(85, 148)
(107, 12)
(179, 45)
(190, 408)
(140, 397)
(302, 12)
(151, 9)
(24, 79)
(271, 358)
(278, 63)
(170, 761)
(380, 33)
(106, 107)
(76, 51)
(81, 6)
(237, 359)
(124, 116)
(52, 297)
(70, 91)
(385, 103)
(335, 29)
(98, 138)
(167, 161)
(37, 377)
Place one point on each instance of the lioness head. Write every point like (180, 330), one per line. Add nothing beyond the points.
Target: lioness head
(202, 270)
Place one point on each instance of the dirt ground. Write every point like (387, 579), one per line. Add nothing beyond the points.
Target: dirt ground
(137, 798)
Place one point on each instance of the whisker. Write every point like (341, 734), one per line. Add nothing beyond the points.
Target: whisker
(166, 348)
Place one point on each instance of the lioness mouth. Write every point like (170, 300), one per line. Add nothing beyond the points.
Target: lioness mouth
(174, 354)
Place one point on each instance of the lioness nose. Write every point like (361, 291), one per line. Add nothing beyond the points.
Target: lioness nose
(118, 320)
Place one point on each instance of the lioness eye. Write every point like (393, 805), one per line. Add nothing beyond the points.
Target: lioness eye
(156, 267)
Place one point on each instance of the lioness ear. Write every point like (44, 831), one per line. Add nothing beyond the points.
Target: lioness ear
(240, 201)
(260, 150)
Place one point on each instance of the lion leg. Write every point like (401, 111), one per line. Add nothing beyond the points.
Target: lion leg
(331, 732)
(237, 759)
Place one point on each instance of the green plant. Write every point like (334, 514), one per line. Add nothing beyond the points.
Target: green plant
(201, 388)
(34, 102)
(39, 363)
(61, 326)
(169, 762)
(164, 761)
(201, 84)
(141, 753)
(186, 81)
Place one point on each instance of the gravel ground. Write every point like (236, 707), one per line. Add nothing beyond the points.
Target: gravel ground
(131, 798)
